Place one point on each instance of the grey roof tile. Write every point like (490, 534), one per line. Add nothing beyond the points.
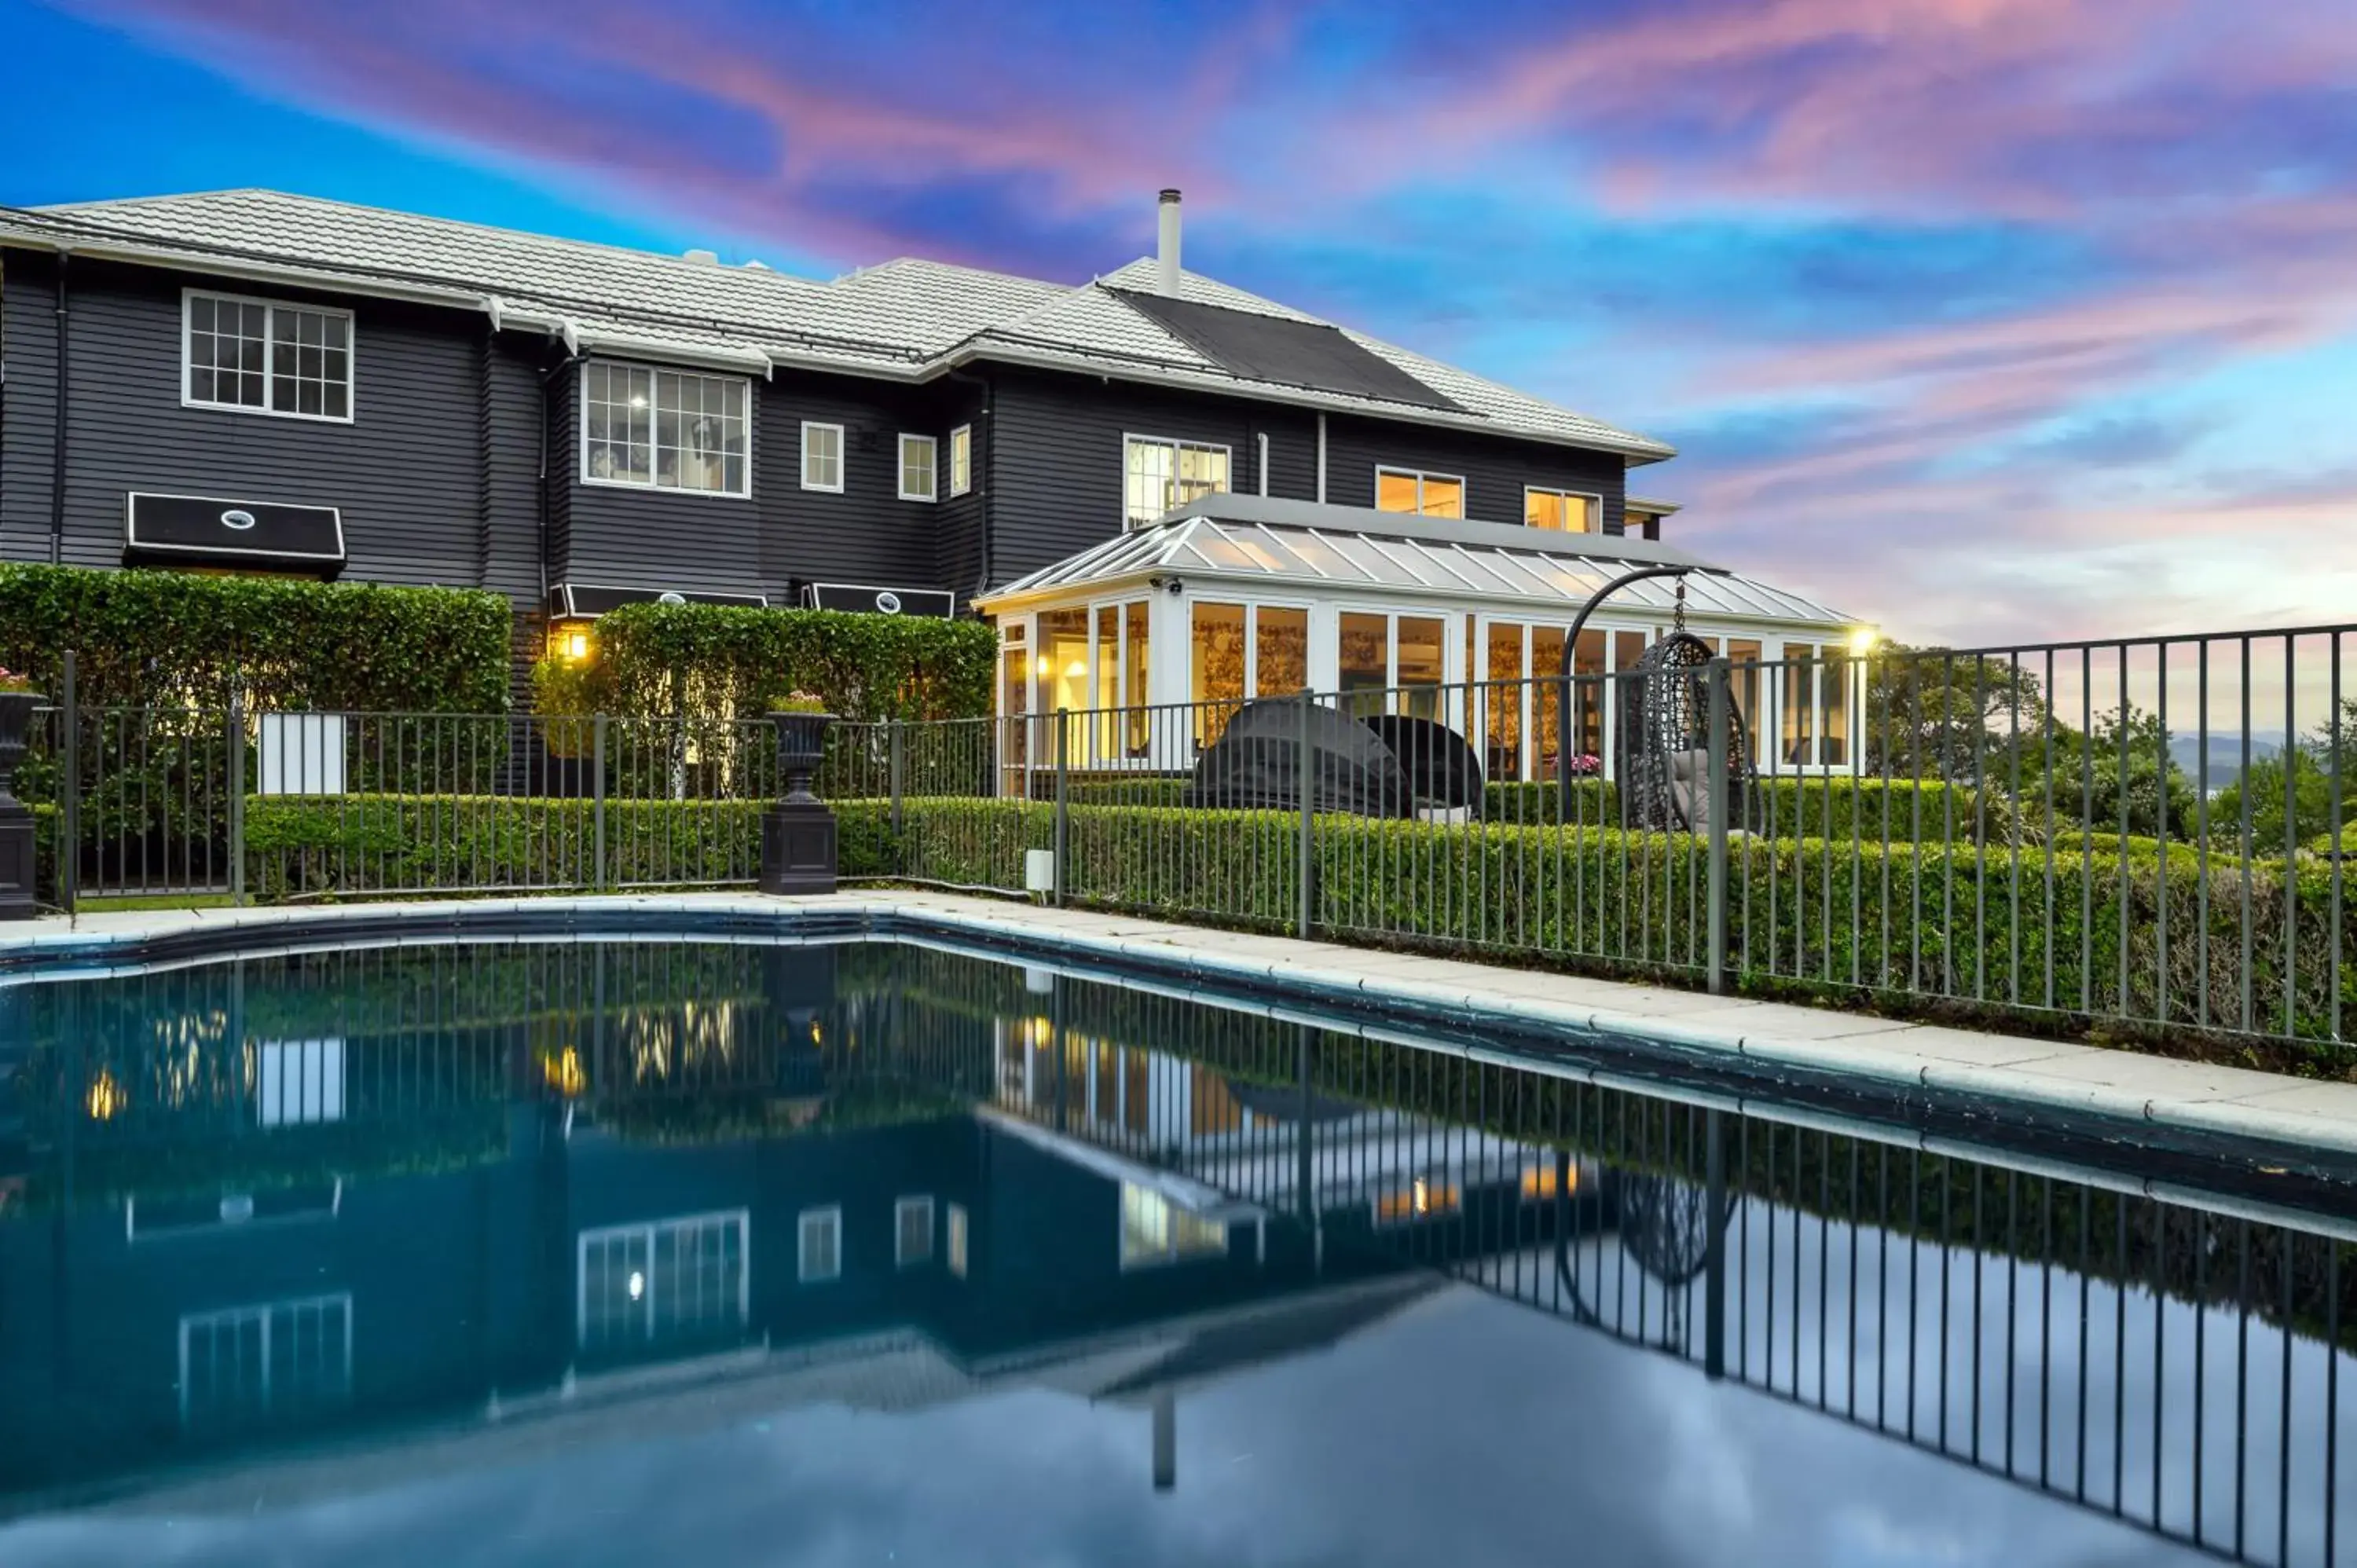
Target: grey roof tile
(905, 317)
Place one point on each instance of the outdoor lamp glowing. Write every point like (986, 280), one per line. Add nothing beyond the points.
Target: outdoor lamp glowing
(1044, 666)
(1862, 642)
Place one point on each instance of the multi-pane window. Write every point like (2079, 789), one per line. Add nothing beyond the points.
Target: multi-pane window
(670, 1279)
(819, 1244)
(667, 430)
(1159, 474)
(299, 1080)
(918, 477)
(960, 459)
(276, 1359)
(912, 1231)
(822, 456)
(1430, 495)
(1564, 511)
(1155, 1230)
(275, 358)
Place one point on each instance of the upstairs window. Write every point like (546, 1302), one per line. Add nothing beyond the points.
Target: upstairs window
(822, 456)
(664, 430)
(1564, 511)
(912, 1231)
(267, 359)
(918, 456)
(1159, 474)
(1428, 495)
(960, 459)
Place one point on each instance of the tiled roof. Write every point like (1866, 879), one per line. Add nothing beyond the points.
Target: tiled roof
(907, 318)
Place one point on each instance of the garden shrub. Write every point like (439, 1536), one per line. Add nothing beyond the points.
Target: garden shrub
(715, 660)
(175, 639)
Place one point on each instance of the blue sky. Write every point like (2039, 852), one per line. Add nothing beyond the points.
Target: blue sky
(1985, 319)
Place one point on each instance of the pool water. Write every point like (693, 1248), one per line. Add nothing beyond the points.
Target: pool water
(603, 1251)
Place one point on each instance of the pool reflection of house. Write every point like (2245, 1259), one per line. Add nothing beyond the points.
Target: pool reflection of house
(563, 1269)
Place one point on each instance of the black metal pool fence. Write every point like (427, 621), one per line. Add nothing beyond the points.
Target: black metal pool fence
(2146, 834)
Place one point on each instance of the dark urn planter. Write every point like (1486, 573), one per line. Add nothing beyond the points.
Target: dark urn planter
(798, 841)
(15, 817)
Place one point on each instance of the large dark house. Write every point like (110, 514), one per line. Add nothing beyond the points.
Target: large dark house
(250, 379)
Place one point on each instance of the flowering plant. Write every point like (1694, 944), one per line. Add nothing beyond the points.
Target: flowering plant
(10, 681)
(796, 703)
(1587, 764)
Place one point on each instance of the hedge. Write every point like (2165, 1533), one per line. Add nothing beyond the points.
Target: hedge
(2042, 926)
(655, 659)
(170, 638)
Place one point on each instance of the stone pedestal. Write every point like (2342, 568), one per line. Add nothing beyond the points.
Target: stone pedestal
(15, 861)
(798, 849)
(15, 818)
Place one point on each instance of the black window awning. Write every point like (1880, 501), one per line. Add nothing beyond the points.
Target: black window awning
(222, 530)
(868, 598)
(587, 601)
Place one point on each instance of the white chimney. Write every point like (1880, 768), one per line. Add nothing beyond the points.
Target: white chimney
(1165, 255)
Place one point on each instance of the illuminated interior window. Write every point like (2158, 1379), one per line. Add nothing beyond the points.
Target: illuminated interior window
(663, 1280)
(1428, 495)
(1420, 1199)
(1155, 1230)
(955, 1239)
(275, 1360)
(1562, 511)
(1158, 475)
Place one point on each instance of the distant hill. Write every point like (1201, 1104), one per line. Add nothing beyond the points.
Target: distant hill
(2226, 759)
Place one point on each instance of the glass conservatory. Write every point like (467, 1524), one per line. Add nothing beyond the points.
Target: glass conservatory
(1232, 597)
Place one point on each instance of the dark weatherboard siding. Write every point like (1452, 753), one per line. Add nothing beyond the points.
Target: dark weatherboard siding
(1494, 468)
(430, 490)
(1059, 456)
(782, 534)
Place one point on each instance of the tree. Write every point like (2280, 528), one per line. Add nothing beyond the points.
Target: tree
(1932, 713)
(2311, 791)
(2118, 778)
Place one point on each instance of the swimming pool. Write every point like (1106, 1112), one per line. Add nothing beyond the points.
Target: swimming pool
(751, 1250)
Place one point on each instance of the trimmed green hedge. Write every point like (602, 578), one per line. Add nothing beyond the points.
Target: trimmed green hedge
(663, 660)
(175, 637)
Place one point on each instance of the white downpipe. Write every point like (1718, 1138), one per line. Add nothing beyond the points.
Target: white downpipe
(1322, 459)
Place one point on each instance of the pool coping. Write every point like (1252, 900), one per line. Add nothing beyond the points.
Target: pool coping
(1946, 1081)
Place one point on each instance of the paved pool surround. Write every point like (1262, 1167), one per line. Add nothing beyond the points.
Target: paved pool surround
(1765, 1058)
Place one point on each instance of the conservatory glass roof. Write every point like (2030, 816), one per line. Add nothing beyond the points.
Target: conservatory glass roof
(1259, 539)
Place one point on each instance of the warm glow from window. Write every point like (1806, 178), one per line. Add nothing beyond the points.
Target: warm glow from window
(1539, 1181)
(105, 1097)
(564, 1073)
(1564, 511)
(1418, 1201)
(1432, 495)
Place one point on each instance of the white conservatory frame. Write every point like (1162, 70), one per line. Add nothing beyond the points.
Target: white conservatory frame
(1326, 562)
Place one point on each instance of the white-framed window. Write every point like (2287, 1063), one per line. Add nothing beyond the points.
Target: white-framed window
(912, 1231)
(822, 456)
(1562, 511)
(1413, 491)
(665, 430)
(955, 1239)
(1155, 1230)
(919, 475)
(277, 1359)
(662, 1279)
(299, 1080)
(819, 1244)
(960, 459)
(1158, 474)
(258, 357)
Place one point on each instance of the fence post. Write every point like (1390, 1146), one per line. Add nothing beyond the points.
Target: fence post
(1305, 853)
(1714, 1272)
(895, 769)
(1063, 807)
(69, 850)
(1720, 796)
(597, 799)
(236, 793)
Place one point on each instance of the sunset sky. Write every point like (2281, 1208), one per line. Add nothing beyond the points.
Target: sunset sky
(1989, 319)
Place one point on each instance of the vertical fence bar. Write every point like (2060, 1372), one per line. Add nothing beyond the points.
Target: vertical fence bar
(69, 791)
(896, 766)
(1063, 801)
(1305, 855)
(1717, 765)
(598, 800)
(236, 738)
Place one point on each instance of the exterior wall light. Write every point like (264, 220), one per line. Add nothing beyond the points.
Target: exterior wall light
(1863, 640)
